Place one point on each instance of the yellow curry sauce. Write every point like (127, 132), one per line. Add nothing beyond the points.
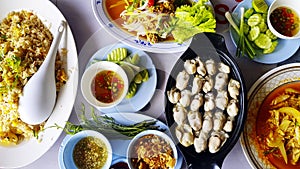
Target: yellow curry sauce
(281, 106)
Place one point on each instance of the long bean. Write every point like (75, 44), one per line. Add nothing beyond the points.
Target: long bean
(109, 127)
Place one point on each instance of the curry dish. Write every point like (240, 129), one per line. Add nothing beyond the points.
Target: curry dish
(278, 126)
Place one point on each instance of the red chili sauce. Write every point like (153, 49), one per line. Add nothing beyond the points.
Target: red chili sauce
(285, 21)
(263, 129)
(107, 86)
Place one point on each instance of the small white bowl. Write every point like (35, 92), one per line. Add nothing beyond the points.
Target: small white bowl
(293, 4)
(68, 161)
(150, 132)
(88, 77)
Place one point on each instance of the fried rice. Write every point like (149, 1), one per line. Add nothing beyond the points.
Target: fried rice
(24, 44)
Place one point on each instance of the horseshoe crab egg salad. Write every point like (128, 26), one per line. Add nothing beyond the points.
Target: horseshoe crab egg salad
(162, 20)
(24, 44)
(206, 104)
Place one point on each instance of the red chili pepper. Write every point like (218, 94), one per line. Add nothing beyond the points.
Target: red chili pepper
(151, 3)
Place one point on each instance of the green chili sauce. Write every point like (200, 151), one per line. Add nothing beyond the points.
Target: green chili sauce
(90, 153)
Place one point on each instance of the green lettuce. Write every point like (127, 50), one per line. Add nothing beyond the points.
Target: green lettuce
(191, 20)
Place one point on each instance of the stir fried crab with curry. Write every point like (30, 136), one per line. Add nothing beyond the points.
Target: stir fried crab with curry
(278, 125)
(24, 44)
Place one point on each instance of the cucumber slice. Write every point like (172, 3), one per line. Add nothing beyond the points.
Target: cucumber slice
(253, 33)
(131, 90)
(254, 19)
(248, 12)
(117, 54)
(271, 35)
(272, 48)
(263, 27)
(263, 41)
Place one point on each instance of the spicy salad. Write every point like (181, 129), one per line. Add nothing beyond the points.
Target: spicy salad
(160, 20)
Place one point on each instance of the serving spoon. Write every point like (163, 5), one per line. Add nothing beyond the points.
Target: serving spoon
(39, 94)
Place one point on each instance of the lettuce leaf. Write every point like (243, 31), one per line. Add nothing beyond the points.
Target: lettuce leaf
(193, 20)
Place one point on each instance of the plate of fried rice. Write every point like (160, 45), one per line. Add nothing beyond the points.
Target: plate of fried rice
(26, 34)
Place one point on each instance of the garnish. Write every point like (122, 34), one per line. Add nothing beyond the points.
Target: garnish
(109, 126)
(248, 47)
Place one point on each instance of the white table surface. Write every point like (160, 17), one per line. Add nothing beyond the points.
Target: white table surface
(81, 19)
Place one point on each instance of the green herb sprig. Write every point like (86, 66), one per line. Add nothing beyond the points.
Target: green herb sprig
(108, 126)
(244, 46)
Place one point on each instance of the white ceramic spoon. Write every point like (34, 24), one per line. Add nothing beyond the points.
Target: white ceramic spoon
(39, 94)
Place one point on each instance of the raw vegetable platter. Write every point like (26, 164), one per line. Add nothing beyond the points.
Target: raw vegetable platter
(144, 92)
(284, 50)
(168, 46)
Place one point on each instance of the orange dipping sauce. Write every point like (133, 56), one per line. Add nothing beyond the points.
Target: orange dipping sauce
(107, 86)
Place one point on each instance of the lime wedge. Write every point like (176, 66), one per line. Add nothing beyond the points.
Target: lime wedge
(254, 19)
(260, 6)
(253, 33)
(263, 41)
(272, 48)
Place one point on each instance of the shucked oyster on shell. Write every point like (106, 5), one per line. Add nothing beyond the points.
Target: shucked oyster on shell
(205, 104)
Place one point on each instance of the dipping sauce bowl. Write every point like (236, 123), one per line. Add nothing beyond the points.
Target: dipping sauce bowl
(283, 19)
(104, 84)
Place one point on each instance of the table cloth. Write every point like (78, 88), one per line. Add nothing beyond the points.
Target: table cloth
(84, 25)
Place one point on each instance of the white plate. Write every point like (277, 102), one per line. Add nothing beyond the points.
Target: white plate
(145, 90)
(256, 95)
(285, 48)
(120, 146)
(29, 151)
(162, 47)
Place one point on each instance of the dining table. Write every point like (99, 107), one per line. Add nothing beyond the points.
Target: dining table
(89, 36)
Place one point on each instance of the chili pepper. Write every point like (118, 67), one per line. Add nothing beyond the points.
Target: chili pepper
(151, 3)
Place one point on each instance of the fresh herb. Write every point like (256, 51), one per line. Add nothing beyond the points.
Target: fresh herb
(192, 20)
(241, 42)
(248, 48)
(108, 126)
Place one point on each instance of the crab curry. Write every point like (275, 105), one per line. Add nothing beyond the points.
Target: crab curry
(278, 126)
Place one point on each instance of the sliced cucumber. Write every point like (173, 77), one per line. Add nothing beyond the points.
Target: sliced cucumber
(117, 54)
(263, 41)
(131, 90)
(263, 27)
(253, 33)
(272, 48)
(248, 12)
(254, 19)
(271, 35)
